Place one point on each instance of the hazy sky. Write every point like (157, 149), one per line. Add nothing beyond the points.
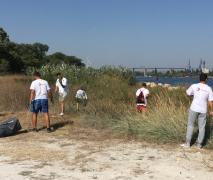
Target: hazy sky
(119, 32)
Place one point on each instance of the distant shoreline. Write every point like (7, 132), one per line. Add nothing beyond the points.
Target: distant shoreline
(210, 77)
(174, 81)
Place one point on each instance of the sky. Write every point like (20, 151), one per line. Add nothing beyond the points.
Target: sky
(132, 33)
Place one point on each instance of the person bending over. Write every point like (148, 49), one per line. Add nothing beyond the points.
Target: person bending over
(81, 97)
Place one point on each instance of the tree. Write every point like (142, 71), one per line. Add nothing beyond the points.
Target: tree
(4, 66)
(59, 58)
(16, 58)
(4, 38)
(32, 55)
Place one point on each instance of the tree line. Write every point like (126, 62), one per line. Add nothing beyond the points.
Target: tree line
(16, 58)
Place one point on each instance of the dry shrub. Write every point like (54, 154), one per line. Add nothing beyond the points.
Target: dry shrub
(14, 93)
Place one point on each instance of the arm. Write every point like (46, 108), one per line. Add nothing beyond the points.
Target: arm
(50, 95)
(137, 93)
(147, 94)
(32, 92)
(85, 95)
(56, 86)
(190, 91)
(49, 91)
(211, 107)
(56, 89)
(211, 102)
(32, 95)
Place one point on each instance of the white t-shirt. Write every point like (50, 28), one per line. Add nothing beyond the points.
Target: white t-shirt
(61, 90)
(81, 94)
(41, 88)
(145, 93)
(202, 94)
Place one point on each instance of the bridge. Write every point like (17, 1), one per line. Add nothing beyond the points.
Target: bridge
(156, 69)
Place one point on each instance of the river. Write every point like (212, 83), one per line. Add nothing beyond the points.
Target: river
(184, 81)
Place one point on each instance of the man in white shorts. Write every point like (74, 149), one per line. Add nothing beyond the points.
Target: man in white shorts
(62, 89)
(202, 95)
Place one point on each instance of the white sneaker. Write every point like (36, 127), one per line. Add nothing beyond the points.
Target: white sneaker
(198, 146)
(61, 114)
(185, 145)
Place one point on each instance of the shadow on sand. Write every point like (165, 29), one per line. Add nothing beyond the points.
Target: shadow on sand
(54, 126)
(209, 129)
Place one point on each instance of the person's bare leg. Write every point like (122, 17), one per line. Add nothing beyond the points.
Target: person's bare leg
(62, 106)
(145, 110)
(77, 106)
(47, 119)
(34, 120)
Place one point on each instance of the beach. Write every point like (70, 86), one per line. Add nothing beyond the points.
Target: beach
(51, 156)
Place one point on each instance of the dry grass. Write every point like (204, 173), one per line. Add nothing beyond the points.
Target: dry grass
(14, 93)
(111, 108)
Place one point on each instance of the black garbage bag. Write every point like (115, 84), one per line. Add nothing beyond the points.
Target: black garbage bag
(10, 127)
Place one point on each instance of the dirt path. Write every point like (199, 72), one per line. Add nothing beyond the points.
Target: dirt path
(45, 156)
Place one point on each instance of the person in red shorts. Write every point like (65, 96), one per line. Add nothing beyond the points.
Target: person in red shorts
(141, 98)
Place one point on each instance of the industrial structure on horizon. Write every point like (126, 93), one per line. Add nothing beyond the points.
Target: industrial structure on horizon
(201, 67)
(187, 69)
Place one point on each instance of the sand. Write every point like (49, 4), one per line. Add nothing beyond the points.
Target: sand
(54, 156)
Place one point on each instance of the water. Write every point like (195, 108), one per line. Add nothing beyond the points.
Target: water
(185, 81)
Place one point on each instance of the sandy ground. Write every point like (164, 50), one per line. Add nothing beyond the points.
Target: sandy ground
(79, 154)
